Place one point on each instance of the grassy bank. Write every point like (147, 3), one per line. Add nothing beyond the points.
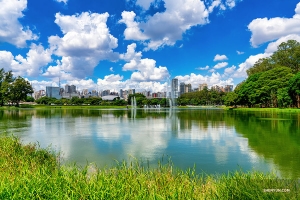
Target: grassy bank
(28, 172)
(288, 110)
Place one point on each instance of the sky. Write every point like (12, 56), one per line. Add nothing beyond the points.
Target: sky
(141, 44)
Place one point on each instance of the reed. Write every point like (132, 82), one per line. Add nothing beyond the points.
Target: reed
(30, 172)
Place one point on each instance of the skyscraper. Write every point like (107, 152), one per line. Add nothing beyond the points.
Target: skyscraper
(174, 88)
(181, 88)
(53, 92)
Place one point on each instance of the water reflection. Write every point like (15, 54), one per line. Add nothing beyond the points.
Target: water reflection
(214, 140)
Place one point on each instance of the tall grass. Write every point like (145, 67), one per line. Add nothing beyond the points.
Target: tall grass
(29, 172)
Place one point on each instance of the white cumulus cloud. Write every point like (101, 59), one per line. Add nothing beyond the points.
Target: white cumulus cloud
(11, 30)
(31, 65)
(265, 30)
(64, 1)
(220, 65)
(219, 57)
(144, 69)
(179, 16)
(196, 79)
(203, 68)
(85, 43)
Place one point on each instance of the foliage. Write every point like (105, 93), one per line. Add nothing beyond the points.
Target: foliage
(230, 99)
(29, 99)
(284, 99)
(45, 100)
(294, 89)
(12, 89)
(6, 78)
(138, 97)
(28, 172)
(287, 54)
(203, 97)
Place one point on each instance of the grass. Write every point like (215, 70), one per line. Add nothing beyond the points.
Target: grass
(29, 172)
(289, 110)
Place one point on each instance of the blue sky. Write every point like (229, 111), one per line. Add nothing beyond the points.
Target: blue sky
(122, 44)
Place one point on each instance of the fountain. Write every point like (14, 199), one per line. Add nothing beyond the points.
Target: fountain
(170, 102)
(134, 102)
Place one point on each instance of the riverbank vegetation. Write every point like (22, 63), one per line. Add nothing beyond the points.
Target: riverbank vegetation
(29, 172)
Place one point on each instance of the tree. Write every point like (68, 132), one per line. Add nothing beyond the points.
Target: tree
(45, 100)
(294, 89)
(29, 99)
(18, 90)
(284, 99)
(262, 65)
(288, 55)
(5, 79)
(230, 99)
(139, 98)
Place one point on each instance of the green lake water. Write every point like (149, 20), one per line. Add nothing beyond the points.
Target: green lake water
(212, 140)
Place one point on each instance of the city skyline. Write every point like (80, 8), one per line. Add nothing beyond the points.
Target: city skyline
(141, 44)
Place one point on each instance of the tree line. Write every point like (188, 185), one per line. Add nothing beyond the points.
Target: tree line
(272, 82)
(203, 97)
(13, 89)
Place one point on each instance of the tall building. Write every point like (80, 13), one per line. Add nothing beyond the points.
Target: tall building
(188, 88)
(105, 93)
(174, 88)
(228, 88)
(181, 88)
(121, 93)
(131, 91)
(73, 89)
(202, 86)
(67, 88)
(53, 92)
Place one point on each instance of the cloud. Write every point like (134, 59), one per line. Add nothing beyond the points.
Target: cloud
(179, 17)
(31, 65)
(145, 69)
(86, 41)
(265, 30)
(240, 52)
(203, 68)
(196, 79)
(230, 70)
(116, 82)
(41, 85)
(220, 57)
(131, 54)
(64, 1)
(11, 30)
(132, 31)
(220, 65)
(111, 69)
(145, 4)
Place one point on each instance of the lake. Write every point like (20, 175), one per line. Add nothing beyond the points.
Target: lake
(211, 140)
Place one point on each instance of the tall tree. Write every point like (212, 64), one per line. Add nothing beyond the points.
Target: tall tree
(294, 89)
(18, 90)
(6, 78)
(288, 55)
